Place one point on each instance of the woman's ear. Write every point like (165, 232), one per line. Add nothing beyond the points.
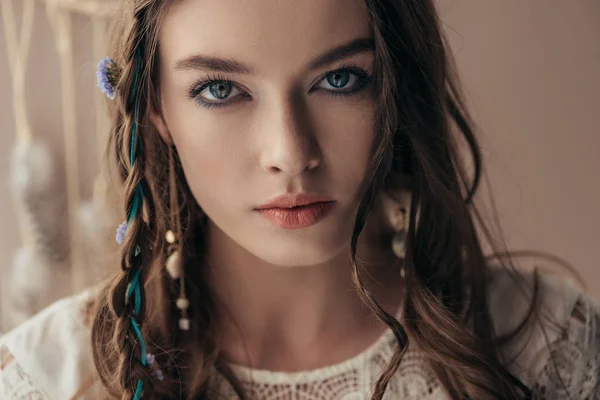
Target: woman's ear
(159, 123)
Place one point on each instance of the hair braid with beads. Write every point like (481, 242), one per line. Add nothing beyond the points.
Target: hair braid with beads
(122, 329)
(126, 297)
(132, 309)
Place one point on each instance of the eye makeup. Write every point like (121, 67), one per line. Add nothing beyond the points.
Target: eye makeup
(362, 80)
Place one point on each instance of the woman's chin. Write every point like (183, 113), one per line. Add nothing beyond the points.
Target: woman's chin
(297, 252)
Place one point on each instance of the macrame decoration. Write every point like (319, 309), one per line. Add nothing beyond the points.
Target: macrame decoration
(63, 241)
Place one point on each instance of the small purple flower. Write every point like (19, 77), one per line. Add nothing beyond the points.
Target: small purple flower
(121, 232)
(150, 361)
(159, 375)
(149, 358)
(108, 76)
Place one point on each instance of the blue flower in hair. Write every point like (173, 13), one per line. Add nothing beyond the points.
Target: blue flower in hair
(108, 77)
(159, 375)
(121, 232)
(149, 358)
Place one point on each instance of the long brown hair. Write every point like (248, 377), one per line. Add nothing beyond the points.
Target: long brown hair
(422, 129)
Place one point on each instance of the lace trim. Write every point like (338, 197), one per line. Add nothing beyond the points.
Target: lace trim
(570, 366)
(413, 380)
(14, 382)
(383, 344)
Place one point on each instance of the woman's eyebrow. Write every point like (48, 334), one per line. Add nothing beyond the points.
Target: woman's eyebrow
(202, 62)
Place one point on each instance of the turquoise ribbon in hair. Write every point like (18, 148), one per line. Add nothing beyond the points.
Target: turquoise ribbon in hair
(138, 200)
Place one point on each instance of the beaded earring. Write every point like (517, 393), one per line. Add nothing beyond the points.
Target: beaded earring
(174, 267)
(400, 224)
(174, 262)
(399, 240)
(396, 209)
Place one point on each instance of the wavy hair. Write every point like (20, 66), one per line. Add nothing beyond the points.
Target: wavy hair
(422, 128)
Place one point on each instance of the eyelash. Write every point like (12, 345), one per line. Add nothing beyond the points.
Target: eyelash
(364, 79)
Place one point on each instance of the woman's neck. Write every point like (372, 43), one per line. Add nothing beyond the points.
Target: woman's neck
(291, 318)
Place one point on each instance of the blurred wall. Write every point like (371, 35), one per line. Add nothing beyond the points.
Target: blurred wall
(530, 72)
(45, 118)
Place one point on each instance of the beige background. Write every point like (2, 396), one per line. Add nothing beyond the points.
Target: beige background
(530, 69)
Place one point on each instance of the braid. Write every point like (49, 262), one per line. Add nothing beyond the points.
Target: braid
(127, 329)
(127, 297)
(128, 306)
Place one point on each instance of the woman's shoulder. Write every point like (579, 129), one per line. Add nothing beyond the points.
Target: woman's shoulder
(510, 293)
(49, 355)
(558, 351)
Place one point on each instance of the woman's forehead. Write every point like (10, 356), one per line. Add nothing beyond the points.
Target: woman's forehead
(261, 32)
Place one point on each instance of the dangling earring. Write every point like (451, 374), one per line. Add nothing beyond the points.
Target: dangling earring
(174, 266)
(399, 239)
(174, 263)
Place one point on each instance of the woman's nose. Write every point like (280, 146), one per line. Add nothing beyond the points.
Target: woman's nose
(290, 145)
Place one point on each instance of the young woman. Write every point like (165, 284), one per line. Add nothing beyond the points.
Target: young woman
(299, 224)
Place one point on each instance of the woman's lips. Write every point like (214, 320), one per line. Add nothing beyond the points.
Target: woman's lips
(298, 217)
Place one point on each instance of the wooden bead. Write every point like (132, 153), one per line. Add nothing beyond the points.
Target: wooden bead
(184, 324)
(170, 237)
(182, 303)
(173, 265)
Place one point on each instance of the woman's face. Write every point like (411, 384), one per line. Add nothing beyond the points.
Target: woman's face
(276, 118)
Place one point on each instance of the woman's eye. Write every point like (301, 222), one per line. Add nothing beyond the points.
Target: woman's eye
(339, 79)
(218, 91)
(346, 81)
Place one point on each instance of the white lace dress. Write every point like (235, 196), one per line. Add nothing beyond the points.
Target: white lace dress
(48, 357)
